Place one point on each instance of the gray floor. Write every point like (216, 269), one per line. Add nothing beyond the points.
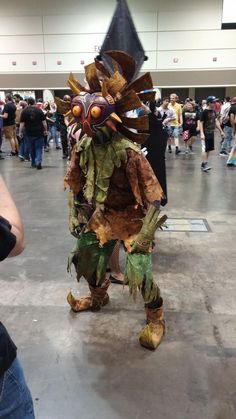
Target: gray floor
(91, 365)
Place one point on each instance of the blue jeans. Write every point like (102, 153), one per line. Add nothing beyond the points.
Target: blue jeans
(15, 398)
(36, 149)
(226, 144)
(24, 148)
(175, 131)
(53, 134)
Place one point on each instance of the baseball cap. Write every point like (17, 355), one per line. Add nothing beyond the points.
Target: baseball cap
(233, 100)
(211, 99)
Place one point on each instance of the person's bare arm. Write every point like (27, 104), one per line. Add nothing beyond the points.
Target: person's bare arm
(21, 130)
(219, 128)
(201, 130)
(9, 211)
(45, 126)
(180, 117)
(4, 116)
(232, 119)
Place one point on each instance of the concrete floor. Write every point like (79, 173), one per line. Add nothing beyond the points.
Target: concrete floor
(90, 365)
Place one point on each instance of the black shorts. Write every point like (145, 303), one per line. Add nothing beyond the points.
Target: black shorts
(209, 141)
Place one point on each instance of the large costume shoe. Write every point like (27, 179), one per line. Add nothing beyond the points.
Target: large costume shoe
(152, 333)
(94, 302)
(79, 304)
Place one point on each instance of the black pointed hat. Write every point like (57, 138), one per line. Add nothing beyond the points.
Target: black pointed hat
(123, 36)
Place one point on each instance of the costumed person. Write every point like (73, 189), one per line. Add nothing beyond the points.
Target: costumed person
(114, 192)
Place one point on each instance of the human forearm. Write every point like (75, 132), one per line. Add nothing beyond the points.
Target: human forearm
(201, 128)
(9, 211)
(219, 127)
(21, 130)
(45, 127)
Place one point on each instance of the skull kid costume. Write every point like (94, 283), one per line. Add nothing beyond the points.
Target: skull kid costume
(114, 194)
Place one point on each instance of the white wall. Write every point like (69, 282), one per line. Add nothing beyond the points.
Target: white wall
(176, 35)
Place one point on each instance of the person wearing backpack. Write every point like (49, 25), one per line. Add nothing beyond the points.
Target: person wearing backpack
(227, 127)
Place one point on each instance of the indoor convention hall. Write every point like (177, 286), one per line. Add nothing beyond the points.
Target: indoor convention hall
(117, 209)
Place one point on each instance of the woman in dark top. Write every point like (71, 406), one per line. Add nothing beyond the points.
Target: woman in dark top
(15, 398)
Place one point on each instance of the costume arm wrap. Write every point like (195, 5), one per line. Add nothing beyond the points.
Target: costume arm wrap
(151, 222)
(73, 213)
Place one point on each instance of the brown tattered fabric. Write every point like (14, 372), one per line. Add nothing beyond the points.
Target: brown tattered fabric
(74, 178)
(132, 187)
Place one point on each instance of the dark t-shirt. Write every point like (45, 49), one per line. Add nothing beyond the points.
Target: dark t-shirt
(7, 238)
(10, 109)
(208, 117)
(7, 347)
(190, 119)
(61, 122)
(33, 118)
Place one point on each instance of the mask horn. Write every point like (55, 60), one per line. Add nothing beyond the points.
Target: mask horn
(126, 62)
(74, 84)
(142, 83)
(92, 78)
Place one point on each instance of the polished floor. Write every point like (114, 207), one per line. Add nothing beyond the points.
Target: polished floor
(90, 365)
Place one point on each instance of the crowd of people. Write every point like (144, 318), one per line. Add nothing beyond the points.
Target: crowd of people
(190, 120)
(30, 127)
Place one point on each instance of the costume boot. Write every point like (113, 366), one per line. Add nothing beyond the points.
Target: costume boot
(152, 333)
(94, 302)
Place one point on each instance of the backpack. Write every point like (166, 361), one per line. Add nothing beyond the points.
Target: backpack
(224, 117)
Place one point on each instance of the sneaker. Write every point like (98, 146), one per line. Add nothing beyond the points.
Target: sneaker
(39, 166)
(12, 154)
(223, 153)
(205, 167)
(177, 151)
(186, 151)
(21, 157)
